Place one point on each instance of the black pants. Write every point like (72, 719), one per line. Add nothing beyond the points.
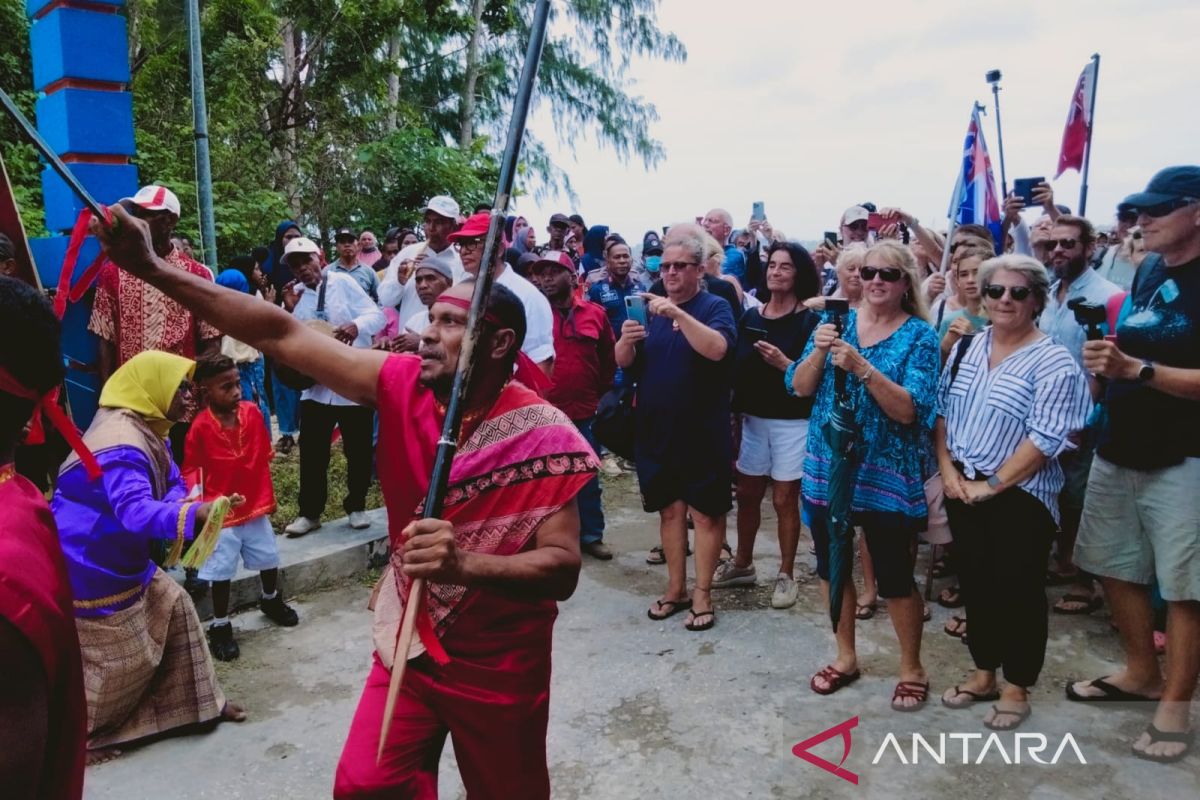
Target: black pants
(1000, 548)
(317, 422)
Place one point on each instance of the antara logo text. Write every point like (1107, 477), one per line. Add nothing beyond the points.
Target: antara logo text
(964, 748)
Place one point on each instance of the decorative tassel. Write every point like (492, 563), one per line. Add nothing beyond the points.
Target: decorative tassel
(206, 541)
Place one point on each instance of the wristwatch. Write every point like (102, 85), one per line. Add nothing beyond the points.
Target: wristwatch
(1146, 373)
(995, 483)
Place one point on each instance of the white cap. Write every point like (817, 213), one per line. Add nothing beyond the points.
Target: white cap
(155, 198)
(301, 244)
(855, 214)
(443, 206)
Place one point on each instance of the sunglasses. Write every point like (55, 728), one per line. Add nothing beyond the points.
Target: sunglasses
(1065, 244)
(677, 266)
(888, 274)
(1017, 293)
(1162, 209)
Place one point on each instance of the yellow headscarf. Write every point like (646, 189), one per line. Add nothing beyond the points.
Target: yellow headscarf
(146, 384)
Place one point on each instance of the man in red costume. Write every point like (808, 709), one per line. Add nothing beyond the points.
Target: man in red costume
(43, 714)
(505, 551)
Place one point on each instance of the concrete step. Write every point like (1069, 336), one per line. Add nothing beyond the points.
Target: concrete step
(328, 554)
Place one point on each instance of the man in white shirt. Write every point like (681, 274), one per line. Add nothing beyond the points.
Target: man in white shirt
(539, 318)
(355, 319)
(432, 277)
(441, 218)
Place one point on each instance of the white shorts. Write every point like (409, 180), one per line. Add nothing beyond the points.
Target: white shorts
(254, 541)
(774, 447)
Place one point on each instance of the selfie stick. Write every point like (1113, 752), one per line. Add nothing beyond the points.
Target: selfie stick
(448, 443)
(52, 158)
(993, 78)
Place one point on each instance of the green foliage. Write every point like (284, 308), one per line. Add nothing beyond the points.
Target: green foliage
(311, 133)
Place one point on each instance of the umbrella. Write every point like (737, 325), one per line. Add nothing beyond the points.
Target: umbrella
(842, 435)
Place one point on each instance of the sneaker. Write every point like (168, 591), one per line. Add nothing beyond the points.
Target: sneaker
(301, 526)
(278, 611)
(359, 520)
(597, 549)
(729, 574)
(609, 466)
(786, 592)
(285, 444)
(221, 643)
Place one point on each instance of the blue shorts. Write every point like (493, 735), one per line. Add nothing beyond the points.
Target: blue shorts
(253, 542)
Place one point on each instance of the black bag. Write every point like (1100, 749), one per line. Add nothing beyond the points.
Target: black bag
(614, 426)
(294, 379)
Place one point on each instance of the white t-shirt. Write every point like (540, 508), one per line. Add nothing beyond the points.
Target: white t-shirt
(417, 322)
(539, 317)
(392, 293)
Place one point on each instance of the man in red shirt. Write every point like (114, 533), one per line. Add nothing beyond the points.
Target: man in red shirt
(584, 366)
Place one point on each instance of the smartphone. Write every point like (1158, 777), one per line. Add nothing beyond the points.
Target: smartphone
(876, 221)
(665, 229)
(635, 307)
(831, 238)
(1023, 188)
(758, 212)
(755, 334)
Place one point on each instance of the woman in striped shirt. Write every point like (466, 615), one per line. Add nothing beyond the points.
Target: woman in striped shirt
(1007, 407)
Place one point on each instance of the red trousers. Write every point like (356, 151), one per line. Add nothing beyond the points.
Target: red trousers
(499, 738)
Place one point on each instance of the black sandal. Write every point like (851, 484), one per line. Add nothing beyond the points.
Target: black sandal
(951, 597)
(1186, 738)
(675, 606)
(997, 711)
(692, 625)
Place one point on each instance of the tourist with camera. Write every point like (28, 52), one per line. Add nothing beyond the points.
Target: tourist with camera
(1077, 293)
(1141, 515)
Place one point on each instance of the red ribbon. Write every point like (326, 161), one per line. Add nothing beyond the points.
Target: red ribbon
(48, 404)
(70, 261)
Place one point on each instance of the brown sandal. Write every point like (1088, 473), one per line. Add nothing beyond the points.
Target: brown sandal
(834, 679)
(919, 690)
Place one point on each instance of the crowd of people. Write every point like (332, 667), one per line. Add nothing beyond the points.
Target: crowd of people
(1026, 399)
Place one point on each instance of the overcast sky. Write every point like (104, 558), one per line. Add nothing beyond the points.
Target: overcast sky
(811, 111)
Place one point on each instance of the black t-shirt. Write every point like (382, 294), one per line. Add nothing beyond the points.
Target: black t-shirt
(1145, 428)
(721, 288)
(757, 386)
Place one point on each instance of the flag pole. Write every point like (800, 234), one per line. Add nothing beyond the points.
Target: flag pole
(993, 77)
(1087, 151)
(448, 443)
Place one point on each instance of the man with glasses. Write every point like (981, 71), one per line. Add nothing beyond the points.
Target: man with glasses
(1141, 517)
(539, 319)
(1068, 253)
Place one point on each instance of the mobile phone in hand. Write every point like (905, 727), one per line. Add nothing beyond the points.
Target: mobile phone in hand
(758, 211)
(1023, 188)
(755, 334)
(831, 238)
(876, 221)
(635, 307)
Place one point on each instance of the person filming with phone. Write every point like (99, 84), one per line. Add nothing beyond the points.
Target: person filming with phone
(682, 360)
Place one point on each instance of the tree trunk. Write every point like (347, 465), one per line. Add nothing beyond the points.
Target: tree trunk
(393, 81)
(466, 110)
(291, 88)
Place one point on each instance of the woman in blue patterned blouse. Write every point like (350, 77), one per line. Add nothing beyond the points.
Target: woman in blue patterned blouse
(891, 354)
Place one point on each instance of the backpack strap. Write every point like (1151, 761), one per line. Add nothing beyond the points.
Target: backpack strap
(963, 345)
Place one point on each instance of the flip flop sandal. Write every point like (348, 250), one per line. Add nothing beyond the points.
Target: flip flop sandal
(1091, 603)
(692, 625)
(834, 679)
(916, 689)
(673, 607)
(1187, 738)
(1110, 694)
(959, 624)
(866, 610)
(997, 711)
(656, 556)
(972, 698)
(951, 598)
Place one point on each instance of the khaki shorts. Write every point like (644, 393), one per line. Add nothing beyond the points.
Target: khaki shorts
(1143, 526)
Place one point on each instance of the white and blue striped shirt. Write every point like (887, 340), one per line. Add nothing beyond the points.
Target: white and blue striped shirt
(1037, 393)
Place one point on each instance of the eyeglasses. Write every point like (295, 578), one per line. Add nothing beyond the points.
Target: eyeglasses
(1065, 244)
(888, 274)
(468, 245)
(1162, 209)
(1017, 293)
(677, 266)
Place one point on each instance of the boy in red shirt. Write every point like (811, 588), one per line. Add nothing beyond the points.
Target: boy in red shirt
(229, 452)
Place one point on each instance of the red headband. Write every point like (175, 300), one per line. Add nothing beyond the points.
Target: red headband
(48, 404)
(528, 372)
(465, 305)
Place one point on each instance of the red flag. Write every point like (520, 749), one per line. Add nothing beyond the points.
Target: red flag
(10, 225)
(1079, 122)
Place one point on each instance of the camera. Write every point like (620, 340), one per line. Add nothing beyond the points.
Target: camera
(993, 76)
(1089, 315)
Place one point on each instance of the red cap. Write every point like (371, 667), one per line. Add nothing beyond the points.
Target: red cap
(556, 257)
(475, 227)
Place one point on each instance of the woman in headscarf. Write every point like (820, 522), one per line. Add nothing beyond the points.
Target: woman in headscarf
(146, 666)
(593, 247)
(244, 276)
(287, 400)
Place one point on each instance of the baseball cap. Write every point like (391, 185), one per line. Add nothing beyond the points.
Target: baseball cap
(438, 262)
(855, 214)
(155, 198)
(345, 233)
(651, 244)
(559, 219)
(443, 206)
(475, 227)
(556, 257)
(301, 244)
(1167, 185)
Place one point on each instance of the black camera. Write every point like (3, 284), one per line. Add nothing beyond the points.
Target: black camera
(1089, 315)
(993, 76)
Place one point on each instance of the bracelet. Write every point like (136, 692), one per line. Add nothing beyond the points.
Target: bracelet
(870, 373)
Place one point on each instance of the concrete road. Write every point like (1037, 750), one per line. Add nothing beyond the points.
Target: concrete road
(649, 710)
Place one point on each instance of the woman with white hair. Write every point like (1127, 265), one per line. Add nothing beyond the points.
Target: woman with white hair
(1007, 406)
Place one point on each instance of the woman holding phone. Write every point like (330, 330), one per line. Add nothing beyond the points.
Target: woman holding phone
(682, 361)
(774, 424)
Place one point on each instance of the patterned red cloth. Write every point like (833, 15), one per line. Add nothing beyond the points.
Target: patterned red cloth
(35, 597)
(136, 317)
(232, 460)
